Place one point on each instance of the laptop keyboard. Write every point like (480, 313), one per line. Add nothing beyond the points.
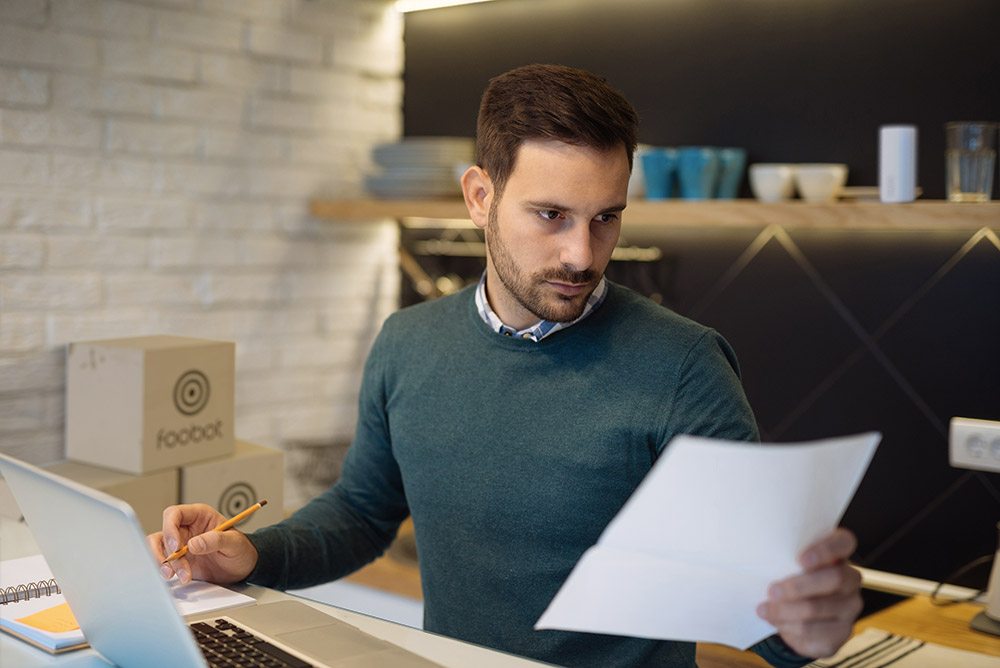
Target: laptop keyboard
(228, 645)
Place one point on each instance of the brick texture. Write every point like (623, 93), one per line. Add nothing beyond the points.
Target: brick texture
(21, 86)
(156, 161)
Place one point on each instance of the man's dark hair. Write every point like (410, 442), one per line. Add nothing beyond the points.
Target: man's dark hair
(549, 102)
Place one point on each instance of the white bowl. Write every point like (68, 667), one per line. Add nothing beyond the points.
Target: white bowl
(820, 182)
(772, 182)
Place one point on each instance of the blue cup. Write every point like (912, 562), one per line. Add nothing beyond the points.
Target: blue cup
(732, 162)
(698, 172)
(658, 168)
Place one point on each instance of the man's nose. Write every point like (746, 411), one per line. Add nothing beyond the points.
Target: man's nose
(576, 253)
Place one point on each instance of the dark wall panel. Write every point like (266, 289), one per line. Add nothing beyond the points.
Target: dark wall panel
(791, 81)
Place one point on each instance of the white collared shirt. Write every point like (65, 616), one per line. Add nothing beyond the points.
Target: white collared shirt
(542, 328)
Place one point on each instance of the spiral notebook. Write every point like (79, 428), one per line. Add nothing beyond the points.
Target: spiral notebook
(33, 609)
(32, 606)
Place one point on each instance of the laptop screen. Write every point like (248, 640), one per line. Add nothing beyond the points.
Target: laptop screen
(97, 551)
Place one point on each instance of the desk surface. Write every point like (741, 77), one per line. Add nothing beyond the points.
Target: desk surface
(943, 625)
(16, 541)
(914, 617)
(446, 651)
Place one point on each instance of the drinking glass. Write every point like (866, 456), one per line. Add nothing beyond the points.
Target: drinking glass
(970, 155)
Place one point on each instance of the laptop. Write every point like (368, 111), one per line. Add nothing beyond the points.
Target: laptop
(97, 551)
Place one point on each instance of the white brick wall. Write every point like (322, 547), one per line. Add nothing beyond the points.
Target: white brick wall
(156, 162)
(21, 86)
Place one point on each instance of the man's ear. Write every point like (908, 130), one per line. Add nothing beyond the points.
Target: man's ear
(477, 188)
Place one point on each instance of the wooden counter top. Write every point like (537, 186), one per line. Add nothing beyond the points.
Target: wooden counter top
(930, 214)
(946, 625)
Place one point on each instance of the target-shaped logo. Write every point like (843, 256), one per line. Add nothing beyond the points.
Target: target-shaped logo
(236, 498)
(191, 392)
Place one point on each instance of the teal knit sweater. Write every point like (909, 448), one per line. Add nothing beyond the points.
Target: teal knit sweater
(511, 456)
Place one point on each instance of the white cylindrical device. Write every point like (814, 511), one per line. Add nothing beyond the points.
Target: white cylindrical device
(897, 163)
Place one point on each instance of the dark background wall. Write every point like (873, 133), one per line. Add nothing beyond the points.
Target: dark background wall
(837, 332)
(791, 81)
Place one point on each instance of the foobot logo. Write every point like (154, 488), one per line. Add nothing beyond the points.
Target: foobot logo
(191, 392)
(171, 438)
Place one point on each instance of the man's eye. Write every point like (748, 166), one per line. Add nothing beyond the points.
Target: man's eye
(607, 217)
(549, 214)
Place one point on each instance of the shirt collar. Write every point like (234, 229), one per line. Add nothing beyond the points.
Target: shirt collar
(542, 328)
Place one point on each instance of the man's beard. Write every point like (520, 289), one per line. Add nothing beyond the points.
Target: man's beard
(530, 291)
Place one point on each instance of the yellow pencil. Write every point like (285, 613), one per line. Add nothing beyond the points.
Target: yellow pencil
(228, 524)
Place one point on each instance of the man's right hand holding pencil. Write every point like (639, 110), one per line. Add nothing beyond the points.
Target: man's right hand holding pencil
(213, 554)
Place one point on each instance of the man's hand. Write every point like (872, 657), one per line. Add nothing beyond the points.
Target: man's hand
(815, 610)
(213, 556)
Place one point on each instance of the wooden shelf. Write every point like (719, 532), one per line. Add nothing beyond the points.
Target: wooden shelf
(931, 214)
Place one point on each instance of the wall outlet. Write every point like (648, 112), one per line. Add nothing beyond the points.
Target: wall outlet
(974, 444)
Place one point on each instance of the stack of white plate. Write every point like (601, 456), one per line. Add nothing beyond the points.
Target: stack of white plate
(420, 167)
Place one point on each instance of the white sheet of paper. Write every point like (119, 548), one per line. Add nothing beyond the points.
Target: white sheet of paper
(197, 597)
(690, 555)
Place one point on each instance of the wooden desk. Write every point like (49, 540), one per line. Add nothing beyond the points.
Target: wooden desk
(915, 617)
(943, 625)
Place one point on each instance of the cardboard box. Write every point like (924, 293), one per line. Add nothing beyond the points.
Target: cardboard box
(148, 494)
(149, 403)
(234, 483)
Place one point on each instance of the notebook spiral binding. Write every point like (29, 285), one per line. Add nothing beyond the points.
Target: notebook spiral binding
(23, 592)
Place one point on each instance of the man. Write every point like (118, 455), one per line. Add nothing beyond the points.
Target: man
(512, 420)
